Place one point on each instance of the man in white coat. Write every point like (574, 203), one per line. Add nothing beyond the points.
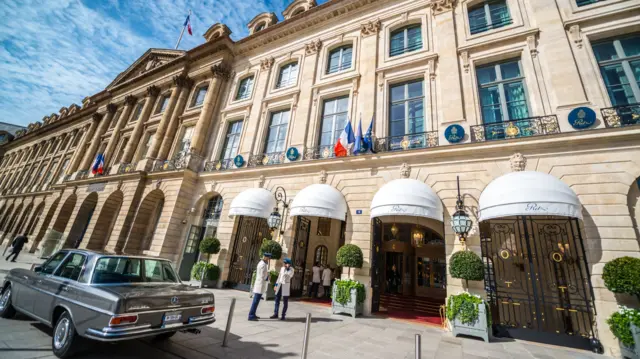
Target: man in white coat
(315, 280)
(283, 289)
(260, 285)
(326, 281)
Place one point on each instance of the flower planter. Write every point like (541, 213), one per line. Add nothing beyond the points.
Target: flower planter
(631, 352)
(479, 328)
(352, 307)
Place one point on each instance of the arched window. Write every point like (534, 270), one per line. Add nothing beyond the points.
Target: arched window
(214, 208)
(339, 59)
(260, 27)
(321, 255)
(298, 12)
(406, 39)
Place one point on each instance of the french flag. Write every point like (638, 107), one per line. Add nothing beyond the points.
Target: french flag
(98, 165)
(345, 141)
(187, 23)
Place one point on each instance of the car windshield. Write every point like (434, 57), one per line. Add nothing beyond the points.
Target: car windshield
(112, 270)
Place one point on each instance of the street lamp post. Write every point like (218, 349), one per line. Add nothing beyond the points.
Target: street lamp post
(275, 219)
(460, 221)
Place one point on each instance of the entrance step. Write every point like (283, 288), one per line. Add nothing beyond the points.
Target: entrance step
(406, 303)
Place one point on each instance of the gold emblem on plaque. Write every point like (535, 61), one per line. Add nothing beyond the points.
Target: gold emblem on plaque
(504, 254)
(512, 130)
(218, 165)
(405, 143)
(325, 152)
(265, 160)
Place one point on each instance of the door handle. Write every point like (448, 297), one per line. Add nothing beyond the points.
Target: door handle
(65, 288)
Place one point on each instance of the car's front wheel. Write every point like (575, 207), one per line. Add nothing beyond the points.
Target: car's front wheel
(165, 336)
(7, 310)
(65, 340)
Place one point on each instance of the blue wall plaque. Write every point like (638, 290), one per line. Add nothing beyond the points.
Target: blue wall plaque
(358, 211)
(582, 117)
(454, 133)
(238, 161)
(292, 154)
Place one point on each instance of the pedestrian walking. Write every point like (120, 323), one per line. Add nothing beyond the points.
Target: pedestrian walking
(260, 285)
(326, 281)
(283, 289)
(17, 245)
(315, 280)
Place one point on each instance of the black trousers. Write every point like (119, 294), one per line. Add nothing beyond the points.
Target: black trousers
(327, 291)
(14, 254)
(313, 291)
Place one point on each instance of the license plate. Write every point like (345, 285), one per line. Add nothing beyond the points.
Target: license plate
(171, 319)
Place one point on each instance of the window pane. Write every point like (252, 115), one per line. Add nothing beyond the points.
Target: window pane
(334, 61)
(343, 104)
(414, 37)
(71, 267)
(499, 14)
(486, 74)
(416, 116)
(617, 83)
(346, 58)
(510, 70)
(415, 89)
(397, 42)
(397, 119)
(397, 93)
(51, 265)
(477, 19)
(631, 46)
(605, 51)
(516, 101)
(490, 102)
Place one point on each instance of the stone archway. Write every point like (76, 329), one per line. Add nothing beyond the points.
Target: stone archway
(145, 223)
(65, 213)
(14, 217)
(83, 218)
(5, 217)
(19, 228)
(45, 225)
(35, 218)
(107, 218)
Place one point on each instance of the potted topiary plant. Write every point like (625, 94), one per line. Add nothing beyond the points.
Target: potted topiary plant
(207, 273)
(208, 246)
(624, 325)
(622, 275)
(348, 295)
(468, 314)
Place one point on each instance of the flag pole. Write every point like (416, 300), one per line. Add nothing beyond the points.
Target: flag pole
(182, 32)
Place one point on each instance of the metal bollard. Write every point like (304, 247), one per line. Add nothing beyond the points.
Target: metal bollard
(228, 328)
(305, 344)
(418, 346)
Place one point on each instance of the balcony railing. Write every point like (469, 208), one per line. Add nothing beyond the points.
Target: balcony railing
(266, 159)
(619, 116)
(407, 142)
(178, 162)
(319, 153)
(527, 127)
(83, 174)
(127, 167)
(220, 165)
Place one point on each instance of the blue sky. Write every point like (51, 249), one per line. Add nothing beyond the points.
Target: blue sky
(55, 52)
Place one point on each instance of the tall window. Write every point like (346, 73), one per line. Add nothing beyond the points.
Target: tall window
(619, 61)
(288, 75)
(405, 40)
(76, 139)
(320, 255)
(407, 108)
(63, 168)
(489, 15)
(50, 172)
(162, 104)
(277, 132)
(339, 59)
(502, 94)
(147, 145)
(123, 146)
(137, 112)
(245, 88)
(232, 140)
(213, 209)
(198, 97)
(260, 27)
(115, 118)
(334, 118)
(185, 141)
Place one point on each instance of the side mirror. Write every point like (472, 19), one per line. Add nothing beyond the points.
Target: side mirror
(37, 269)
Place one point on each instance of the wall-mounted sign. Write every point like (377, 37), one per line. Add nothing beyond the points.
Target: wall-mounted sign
(582, 117)
(238, 161)
(96, 187)
(292, 154)
(454, 133)
(358, 211)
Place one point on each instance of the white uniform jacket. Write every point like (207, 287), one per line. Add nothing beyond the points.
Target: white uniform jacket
(326, 277)
(284, 281)
(262, 278)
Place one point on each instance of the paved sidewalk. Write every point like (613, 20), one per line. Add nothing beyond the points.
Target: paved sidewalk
(25, 260)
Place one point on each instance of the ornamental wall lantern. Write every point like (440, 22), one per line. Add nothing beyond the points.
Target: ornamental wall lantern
(275, 219)
(460, 221)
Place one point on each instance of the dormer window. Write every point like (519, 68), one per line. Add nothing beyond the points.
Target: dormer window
(297, 12)
(288, 75)
(260, 27)
(244, 88)
(339, 59)
(406, 39)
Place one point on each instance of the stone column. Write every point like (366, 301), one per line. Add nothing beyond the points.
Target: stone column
(70, 135)
(132, 145)
(129, 102)
(444, 34)
(75, 162)
(37, 180)
(162, 127)
(301, 121)
(91, 154)
(183, 84)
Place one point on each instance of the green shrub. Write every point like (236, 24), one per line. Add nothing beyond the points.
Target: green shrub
(620, 324)
(343, 291)
(210, 245)
(464, 307)
(622, 275)
(466, 265)
(271, 246)
(349, 256)
(212, 271)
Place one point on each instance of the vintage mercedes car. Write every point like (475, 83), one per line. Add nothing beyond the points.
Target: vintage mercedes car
(86, 294)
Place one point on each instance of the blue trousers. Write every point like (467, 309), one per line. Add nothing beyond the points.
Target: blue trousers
(285, 304)
(254, 305)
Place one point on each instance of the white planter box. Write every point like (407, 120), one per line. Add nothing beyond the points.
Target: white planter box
(479, 328)
(352, 307)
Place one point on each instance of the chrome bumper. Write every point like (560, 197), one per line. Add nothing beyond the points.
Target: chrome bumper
(140, 331)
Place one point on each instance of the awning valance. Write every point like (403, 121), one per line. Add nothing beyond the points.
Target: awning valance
(407, 197)
(253, 202)
(528, 193)
(319, 200)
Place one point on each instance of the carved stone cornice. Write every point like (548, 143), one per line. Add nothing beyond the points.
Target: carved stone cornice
(96, 116)
(182, 81)
(221, 71)
(265, 64)
(440, 6)
(130, 100)
(112, 108)
(313, 47)
(370, 28)
(153, 91)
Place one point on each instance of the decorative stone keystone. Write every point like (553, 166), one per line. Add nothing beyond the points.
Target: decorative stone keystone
(518, 162)
(323, 176)
(405, 170)
(370, 28)
(261, 181)
(313, 47)
(265, 64)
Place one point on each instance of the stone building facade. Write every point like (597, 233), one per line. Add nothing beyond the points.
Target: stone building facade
(472, 89)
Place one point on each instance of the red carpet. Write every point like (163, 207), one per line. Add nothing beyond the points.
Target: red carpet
(419, 318)
(318, 301)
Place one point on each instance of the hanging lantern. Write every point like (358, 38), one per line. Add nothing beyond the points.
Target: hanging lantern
(460, 221)
(417, 236)
(394, 230)
(275, 219)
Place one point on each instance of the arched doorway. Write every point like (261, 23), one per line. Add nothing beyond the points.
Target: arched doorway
(66, 210)
(35, 218)
(205, 226)
(146, 223)
(83, 218)
(10, 229)
(106, 220)
(19, 228)
(537, 276)
(408, 256)
(44, 226)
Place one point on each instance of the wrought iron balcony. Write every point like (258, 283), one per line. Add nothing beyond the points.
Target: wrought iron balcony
(319, 153)
(179, 162)
(220, 165)
(406, 142)
(127, 167)
(620, 116)
(527, 127)
(83, 174)
(266, 159)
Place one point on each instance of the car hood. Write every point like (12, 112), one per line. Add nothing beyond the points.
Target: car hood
(145, 297)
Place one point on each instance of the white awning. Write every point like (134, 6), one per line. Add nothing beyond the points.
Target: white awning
(528, 193)
(253, 202)
(407, 197)
(319, 200)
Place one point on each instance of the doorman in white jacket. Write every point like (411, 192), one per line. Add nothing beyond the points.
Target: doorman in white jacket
(283, 289)
(260, 285)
